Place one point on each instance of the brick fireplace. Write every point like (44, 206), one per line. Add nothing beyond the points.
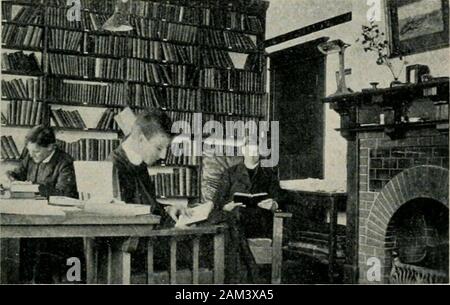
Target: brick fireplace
(398, 175)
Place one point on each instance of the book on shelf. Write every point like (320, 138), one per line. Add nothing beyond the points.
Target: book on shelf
(225, 39)
(234, 103)
(6, 11)
(60, 39)
(107, 121)
(110, 94)
(217, 58)
(238, 80)
(153, 73)
(67, 119)
(22, 36)
(29, 14)
(89, 149)
(109, 45)
(9, 148)
(21, 89)
(20, 62)
(181, 183)
(85, 67)
(24, 113)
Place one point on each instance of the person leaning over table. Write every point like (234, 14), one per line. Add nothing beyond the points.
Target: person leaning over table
(245, 222)
(44, 260)
(147, 144)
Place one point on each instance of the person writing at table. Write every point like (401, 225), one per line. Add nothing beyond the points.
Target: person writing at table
(44, 260)
(245, 222)
(46, 165)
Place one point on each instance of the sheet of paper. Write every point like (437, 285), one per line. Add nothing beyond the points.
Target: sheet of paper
(199, 213)
(96, 179)
(24, 187)
(126, 120)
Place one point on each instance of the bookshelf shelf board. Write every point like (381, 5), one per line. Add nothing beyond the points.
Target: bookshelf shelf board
(163, 85)
(163, 165)
(87, 78)
(176, 197)
(78, 104)
(16, 126)
(23, 73)
(233, 91)
(83, 129)
(23, 24)
(7, 99)
(231, 114)
(22, 48)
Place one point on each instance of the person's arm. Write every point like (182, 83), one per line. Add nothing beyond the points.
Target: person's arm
(275, 192)
(19, 173)
(65, 184)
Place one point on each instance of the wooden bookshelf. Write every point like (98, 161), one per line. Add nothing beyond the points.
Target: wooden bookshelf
(230, 21)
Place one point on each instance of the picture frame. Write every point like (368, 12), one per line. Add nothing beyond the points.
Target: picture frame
(416, 26)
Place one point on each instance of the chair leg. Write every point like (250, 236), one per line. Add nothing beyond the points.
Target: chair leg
(277, 254)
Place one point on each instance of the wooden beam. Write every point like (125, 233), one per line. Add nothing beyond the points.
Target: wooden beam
(319, 26)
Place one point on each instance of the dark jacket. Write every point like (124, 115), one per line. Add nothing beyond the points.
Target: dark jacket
(134, 181)
(237, 179)
(55, 178)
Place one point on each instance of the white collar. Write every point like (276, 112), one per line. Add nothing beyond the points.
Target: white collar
(49, 157)
(132, 156)
(251, 166)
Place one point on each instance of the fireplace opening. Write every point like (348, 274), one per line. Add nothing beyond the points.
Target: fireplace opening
(417, 240)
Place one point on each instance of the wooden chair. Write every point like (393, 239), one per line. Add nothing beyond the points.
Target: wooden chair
(213, 168)
(314, 229)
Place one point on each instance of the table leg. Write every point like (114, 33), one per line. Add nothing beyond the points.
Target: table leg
(219, 259)
(332, 240)
(9, 256)
(119, 259)
(91, 254)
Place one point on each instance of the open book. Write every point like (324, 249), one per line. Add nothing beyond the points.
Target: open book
(250, 200)
(198, 214)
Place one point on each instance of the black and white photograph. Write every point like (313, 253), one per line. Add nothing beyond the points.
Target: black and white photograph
(224, 143)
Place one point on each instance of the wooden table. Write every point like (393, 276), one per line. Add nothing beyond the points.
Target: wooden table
(333, 202)
(122, 232)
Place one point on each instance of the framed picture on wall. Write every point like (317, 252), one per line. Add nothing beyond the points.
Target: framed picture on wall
(416, 26)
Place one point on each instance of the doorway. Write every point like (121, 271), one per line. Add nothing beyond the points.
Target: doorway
(297, 86)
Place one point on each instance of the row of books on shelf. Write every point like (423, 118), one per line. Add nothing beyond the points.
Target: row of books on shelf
(238, 80)
(250, 122)
(228, 40)
(89, 149)
(141, 71)
(184, 159)
(9, 149)
(65, 40)
(19, 61)
(241, 104)
(19, 88)
(89, 67)
(67, 119)
(27, 14)
(22, 36)
(182, 182)
(174, 12)
(96, 94)
(24, 113)
(171, 98)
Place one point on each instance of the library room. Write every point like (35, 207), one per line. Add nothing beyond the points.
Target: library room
(224, 142)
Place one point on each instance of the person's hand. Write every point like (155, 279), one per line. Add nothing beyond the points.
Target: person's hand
(268, 204)
(229, 207)
(10, 176)
(172, 211)
(177, 210)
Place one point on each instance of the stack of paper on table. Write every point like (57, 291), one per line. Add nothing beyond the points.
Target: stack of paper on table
(24, 187)
(314, 185)
(116, 209)
(30, 207)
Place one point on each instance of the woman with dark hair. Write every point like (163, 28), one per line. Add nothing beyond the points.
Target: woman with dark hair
(45, 164)
(44, 260)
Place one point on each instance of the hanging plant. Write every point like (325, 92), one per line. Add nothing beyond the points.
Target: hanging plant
(374, 40)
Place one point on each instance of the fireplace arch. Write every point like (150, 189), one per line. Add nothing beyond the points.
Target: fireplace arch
(420, 182)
